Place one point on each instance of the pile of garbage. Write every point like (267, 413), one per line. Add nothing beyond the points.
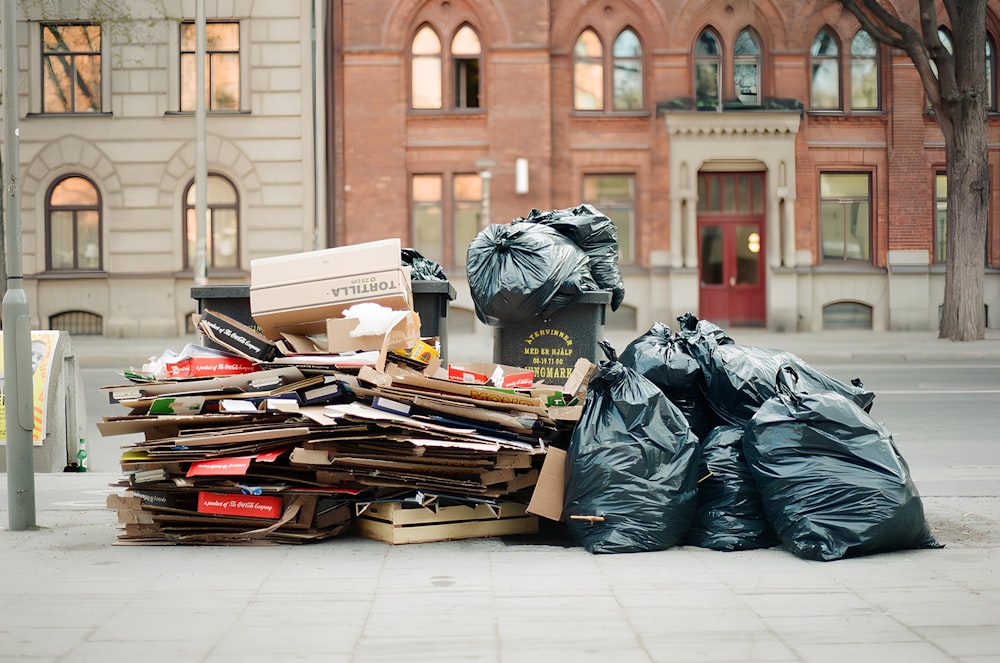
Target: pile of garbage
(336, 414)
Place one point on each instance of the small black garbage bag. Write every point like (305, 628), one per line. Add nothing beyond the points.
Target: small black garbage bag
(631, 465)
(730, 514)
(421, 268)
(597, 236)
(659, 357)
(739, 378)
(518, 271)
(831, 480)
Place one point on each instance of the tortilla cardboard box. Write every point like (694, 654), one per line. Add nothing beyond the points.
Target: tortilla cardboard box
(293, 290)
(497, 375)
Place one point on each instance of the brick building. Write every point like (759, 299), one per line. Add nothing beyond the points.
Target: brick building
(766, 163)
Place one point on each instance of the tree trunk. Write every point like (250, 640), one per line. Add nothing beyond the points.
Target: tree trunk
(962, 116)
(963, 318)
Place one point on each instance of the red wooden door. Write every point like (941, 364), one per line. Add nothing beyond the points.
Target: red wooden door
(731, 267)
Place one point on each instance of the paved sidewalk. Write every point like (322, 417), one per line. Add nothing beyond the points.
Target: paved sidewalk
(69, 594)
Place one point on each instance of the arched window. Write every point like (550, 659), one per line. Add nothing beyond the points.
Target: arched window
(627, 67)
(588, 72)
(73, 224)
(864, 72)
(825, 89)
(707, 71)
(446, 78)
(466, 53)
(222, 225)
(746, 68)
(425, 69)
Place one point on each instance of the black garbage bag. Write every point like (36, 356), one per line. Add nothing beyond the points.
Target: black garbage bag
(831, 480)
(631, 464)
(690, 327)
(659, 357)
(730, 514)
(597, 236)
(421, 268)
(739, 378)
(518, 271)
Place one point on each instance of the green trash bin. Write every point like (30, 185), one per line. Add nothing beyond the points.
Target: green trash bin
(430, 300)
(552, 347)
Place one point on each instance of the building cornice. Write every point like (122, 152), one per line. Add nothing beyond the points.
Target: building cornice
(741, 123)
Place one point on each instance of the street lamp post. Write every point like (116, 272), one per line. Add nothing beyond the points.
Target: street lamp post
(17, 390)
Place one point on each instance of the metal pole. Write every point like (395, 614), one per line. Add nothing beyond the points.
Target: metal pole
(200, 167)
(16, 316)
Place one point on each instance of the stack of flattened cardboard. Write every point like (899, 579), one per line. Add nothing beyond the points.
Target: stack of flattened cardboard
(292, 454)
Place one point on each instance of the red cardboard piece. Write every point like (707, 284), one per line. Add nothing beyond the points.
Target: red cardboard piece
(246, 506)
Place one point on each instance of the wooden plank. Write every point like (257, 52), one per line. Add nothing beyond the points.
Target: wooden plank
(472, 529)
(397, 514)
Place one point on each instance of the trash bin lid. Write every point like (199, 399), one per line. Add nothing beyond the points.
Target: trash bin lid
(428, 287)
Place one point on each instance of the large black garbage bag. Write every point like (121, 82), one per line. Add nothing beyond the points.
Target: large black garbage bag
(831, 480)
(518, 271)
(631, 465)
(421, 268)
(597, 236)
(660, 358)
(739, 378)
(730, 513)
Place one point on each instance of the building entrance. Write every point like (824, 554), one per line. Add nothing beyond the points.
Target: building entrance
(731, 249)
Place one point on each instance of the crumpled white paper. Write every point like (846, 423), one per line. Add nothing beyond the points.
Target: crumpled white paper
(373, 319)
(157, 366)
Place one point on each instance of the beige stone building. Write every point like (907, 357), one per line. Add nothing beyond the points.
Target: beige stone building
(108, 147)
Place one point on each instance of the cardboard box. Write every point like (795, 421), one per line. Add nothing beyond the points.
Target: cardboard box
(200, 367)
(547, 498)
(297, 289)
(402, 336)
(236, 336)
(397, 522)
(245, 506)
(497, 375)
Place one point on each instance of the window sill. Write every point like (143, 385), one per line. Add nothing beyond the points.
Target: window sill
(610, 114)
(73, 115)
(56, 275)
(832, 266)
(434, 112)
(211, 112)
(215, 274)
(848, 113)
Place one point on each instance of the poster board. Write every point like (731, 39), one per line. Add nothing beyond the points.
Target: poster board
(43, 344)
